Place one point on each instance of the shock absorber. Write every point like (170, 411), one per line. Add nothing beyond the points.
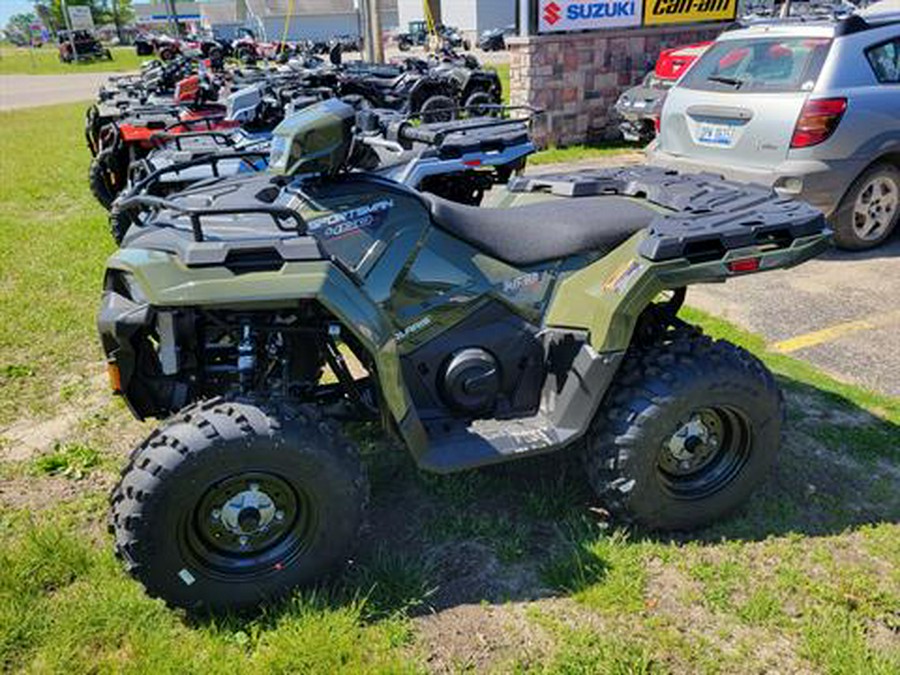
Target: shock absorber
(246, 363)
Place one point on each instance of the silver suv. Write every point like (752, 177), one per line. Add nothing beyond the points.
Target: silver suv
(809, 107)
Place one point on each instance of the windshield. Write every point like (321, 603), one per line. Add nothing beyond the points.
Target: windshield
(759, 64)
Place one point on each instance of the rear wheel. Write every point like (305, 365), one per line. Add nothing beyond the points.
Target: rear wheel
(166, 54)
(438, 108)
(870, 211)
(230, 504)
(479, 104)
(690, 428)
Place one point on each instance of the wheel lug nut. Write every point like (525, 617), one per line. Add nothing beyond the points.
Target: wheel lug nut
(243, 540)
(216, 514)
(279, 515)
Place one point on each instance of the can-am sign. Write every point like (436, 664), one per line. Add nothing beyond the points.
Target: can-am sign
(660, 12)
(568, 15)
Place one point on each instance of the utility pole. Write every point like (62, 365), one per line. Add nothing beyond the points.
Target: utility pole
(115, 13)
(375, 32)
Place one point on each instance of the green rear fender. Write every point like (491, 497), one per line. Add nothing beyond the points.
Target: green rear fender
(607, 297)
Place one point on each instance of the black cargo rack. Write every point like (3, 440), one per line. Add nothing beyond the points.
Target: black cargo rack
(212, 160)
(195, 214)
(710, 215)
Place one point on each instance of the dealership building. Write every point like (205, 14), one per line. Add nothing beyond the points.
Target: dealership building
(270, 19)
(572, 59)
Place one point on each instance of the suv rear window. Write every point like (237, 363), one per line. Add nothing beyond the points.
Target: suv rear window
(759, 64)
(885, 61)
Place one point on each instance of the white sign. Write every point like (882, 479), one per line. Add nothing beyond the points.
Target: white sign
(568, 15)
(80, 17)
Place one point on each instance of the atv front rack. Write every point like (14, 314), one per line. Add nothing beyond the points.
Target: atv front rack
(710, 216)
(213, 160)
(279, 214)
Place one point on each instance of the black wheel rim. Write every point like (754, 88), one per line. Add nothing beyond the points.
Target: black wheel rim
(251, 524)
(707, 450)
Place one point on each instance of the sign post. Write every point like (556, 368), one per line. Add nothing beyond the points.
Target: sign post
(68, 19)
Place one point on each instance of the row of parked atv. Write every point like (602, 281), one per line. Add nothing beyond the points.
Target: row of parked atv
(275, 223)
(145, 128)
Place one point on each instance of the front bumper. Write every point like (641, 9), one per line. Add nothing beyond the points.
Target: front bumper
(819, 183)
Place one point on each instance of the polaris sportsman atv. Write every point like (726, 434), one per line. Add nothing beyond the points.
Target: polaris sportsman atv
(488, 335)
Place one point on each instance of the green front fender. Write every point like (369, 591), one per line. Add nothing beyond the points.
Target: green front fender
(166, 282)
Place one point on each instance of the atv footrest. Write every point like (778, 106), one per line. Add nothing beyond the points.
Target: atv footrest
(454, 444)
(709, 216)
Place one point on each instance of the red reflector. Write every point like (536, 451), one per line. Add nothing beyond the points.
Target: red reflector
(744, 265)
(657, 124)
(818, 120)
(473, 162)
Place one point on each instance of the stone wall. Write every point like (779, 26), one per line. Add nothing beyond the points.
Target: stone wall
(576, 78)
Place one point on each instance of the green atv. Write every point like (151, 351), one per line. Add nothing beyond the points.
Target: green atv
(485, 335)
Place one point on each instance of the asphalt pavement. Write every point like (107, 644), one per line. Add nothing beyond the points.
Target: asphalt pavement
(840, 312)
(30, 91)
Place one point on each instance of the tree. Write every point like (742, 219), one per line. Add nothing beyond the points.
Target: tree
(117, 12)
(20, 24)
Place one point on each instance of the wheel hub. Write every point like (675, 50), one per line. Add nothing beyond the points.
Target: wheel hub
(875, 208)
(692, 445)
(245, 515)
(248, 512)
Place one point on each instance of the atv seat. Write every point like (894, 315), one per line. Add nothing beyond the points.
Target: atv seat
(526, 235)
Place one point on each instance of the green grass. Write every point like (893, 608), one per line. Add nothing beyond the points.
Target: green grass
(53, 242)
(572, 153)
(44, 61)
(799, 581)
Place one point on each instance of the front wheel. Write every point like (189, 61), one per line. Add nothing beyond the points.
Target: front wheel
(230, 504)
(870, 210)
(689, 429)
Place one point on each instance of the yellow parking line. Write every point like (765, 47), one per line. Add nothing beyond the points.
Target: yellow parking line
(834, 332)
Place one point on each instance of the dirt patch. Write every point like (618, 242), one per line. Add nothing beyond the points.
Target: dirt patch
(27, 438)
(35, 493)
(479, 638)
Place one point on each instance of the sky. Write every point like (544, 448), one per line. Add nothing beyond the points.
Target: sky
(10, 7)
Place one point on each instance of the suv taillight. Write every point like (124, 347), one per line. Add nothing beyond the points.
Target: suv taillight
(818, 120)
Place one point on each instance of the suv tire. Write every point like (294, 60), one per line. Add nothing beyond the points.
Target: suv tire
(870, 211)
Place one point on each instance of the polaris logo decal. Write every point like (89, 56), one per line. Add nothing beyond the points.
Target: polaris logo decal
(345, 223)
(569, 15)
(412, 328)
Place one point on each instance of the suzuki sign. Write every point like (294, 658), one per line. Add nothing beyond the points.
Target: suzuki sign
(570, 15)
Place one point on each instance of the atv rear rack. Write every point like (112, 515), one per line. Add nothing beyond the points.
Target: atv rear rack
(710, 216)
(195, 214)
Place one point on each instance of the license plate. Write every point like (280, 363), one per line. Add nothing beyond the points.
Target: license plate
(721, 135)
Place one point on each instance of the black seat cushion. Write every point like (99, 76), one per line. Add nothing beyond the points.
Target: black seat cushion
(526, 235)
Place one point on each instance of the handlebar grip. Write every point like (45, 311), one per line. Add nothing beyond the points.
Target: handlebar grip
(418, 134)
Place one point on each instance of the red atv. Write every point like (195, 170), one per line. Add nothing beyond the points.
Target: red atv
(130, 138)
